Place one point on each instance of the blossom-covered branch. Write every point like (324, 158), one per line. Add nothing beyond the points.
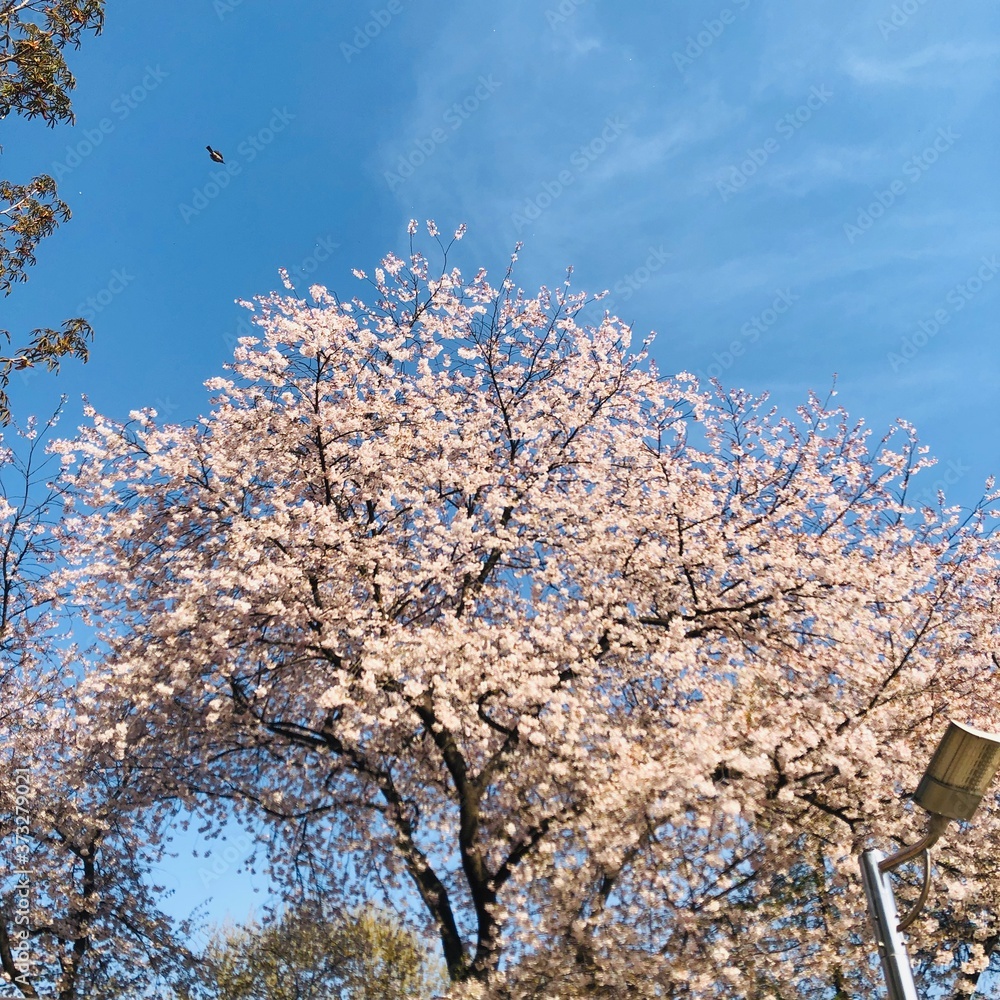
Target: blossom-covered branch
(610, 674)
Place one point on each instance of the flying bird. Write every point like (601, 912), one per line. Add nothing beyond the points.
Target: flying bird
(215, 154)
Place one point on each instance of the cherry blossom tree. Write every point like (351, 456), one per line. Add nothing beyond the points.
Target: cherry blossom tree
(79, 831)
(610, 675)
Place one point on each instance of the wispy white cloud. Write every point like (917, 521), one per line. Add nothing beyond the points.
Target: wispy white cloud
(654, 187)
(933, 65)
(574, 40)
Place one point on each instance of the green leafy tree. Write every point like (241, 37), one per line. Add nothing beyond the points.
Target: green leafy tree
(308, 956)
(35, 82)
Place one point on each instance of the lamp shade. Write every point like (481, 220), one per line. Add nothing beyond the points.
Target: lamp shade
(959, 772)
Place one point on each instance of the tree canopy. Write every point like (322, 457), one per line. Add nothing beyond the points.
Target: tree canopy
(81, 820)
(36, 82)
(610, 676)
(309, 955)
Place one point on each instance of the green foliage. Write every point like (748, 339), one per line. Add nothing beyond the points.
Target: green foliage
(305, 956)
(33, 212)
(35, 82)
(35, 79)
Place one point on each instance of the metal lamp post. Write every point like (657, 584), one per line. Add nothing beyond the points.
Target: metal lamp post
(955, 781)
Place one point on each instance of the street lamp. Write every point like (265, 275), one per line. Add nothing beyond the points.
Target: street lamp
(953, 785)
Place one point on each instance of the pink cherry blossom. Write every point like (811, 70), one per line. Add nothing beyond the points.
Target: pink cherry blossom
(81, 824)
(606, 675)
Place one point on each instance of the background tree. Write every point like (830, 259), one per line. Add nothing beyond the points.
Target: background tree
(79, 830)
(35, 81)
(307, 955)
(612, 677)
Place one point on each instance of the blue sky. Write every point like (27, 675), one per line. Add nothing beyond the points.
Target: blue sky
(781, 191)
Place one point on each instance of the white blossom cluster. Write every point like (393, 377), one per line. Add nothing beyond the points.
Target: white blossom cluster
(609, 676)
